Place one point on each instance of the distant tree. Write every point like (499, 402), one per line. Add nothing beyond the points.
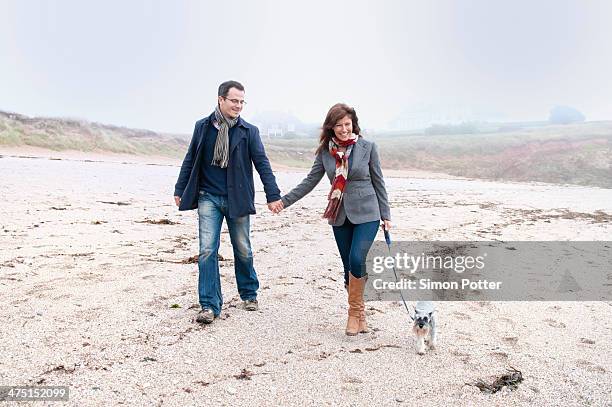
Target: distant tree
(565, 115)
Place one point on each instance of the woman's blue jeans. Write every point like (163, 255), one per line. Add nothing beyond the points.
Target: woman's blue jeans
(354, 242)
(211, 211)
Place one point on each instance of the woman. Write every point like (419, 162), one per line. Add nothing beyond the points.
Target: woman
(356, 203)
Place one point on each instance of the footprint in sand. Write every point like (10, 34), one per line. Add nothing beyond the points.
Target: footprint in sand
(465, 336)
(480, 305)
(62, 297)
(554, 324)
(501, 356)
(589, 366)
(512, 340)
(464, 357)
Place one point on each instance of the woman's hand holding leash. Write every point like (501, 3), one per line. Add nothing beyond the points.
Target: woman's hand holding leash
(386, 225)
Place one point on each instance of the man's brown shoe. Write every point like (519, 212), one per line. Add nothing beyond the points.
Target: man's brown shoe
(251, 305)
(205, 316)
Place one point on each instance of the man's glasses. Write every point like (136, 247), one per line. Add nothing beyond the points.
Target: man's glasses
(235, 101)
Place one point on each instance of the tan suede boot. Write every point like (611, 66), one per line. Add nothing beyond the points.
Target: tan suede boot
(355, 299)
(363, 327)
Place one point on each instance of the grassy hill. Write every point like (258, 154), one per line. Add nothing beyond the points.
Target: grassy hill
(574, 154)
(67, 134)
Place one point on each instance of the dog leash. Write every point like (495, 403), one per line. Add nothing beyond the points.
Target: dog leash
(388, 240)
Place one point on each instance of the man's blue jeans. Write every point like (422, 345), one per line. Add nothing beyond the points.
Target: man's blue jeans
(211, 211)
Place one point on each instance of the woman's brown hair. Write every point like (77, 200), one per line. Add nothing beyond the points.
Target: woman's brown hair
(336, 112)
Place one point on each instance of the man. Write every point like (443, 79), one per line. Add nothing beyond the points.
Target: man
(216, 178)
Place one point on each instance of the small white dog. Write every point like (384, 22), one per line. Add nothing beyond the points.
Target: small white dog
(424, 326)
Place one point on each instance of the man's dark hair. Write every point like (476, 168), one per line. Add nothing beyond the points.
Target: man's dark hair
(226, 86)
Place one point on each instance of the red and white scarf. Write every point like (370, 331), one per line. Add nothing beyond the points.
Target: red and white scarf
(340, 150)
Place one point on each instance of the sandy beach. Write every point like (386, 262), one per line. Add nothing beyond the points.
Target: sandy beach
(99, 293)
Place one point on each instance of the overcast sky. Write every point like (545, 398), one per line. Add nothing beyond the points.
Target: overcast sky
(157, 64)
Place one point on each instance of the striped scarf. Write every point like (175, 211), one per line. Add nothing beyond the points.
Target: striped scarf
(221, 156)
(340, 150)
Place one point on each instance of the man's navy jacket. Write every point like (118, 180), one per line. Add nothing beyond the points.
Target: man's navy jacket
(245, 150)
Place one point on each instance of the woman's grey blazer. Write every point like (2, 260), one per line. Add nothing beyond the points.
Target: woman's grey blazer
(365, 196)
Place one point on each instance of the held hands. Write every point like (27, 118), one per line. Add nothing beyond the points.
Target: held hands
(276, 206)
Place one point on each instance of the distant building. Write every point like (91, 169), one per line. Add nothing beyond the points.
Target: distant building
(279, 124)
(273, 130)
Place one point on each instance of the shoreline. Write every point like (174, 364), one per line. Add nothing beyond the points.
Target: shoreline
(133, 159)
(74, 155)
